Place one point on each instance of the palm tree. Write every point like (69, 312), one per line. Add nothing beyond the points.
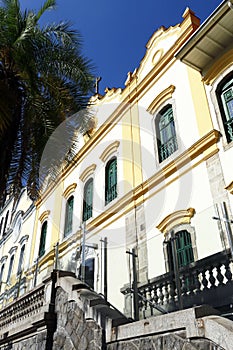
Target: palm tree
(44, 79)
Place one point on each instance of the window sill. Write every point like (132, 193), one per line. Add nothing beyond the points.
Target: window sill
(226, 145)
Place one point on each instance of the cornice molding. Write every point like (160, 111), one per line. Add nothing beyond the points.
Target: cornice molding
(159, 99)
(87, 172)
(69, 190)
(177, 218)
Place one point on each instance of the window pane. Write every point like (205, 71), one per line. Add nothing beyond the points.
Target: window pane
(87, 200)
(184, 248)
(111, 180)
(5, 224)
(1, 273)
(43, 239)
(166, 133)
(21, 260)
(10, 268)
(225, 100)
(69, 215)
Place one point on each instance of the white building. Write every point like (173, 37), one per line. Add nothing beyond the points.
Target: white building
(145, 179)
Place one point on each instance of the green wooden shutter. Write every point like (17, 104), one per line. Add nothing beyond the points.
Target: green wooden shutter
(87, 200)
(43, 239)
(184, 248)
(111, 180)
(1, 226)
(69, 215)
(167, 140)
(10, 268)
(5, 224)
(21, 260)
(1, 273)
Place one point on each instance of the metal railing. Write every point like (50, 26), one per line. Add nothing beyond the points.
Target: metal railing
(111, 194)
(166, 149)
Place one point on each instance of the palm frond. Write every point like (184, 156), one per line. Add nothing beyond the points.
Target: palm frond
(48, 4)
(44, 79)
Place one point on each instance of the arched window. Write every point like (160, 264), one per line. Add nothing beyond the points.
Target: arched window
(1, 272)
(225, 101)
(87, 199)
(184, 249)
(5, 224)
(10, 268)
(166, 133)
(111, 180)
(21, 258)
(1, 226)
(43, 239)
(1, 276)
(69, 216)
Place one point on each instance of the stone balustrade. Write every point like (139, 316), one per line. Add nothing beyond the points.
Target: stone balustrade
(206, 281)
(22, 309)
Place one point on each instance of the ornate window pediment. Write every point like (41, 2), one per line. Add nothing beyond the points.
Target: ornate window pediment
(110, 150)
(160, 99)
(70, 189)
(177, 218)
(87, 172)
(44, 215)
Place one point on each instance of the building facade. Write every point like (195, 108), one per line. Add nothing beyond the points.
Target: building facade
(132, 213)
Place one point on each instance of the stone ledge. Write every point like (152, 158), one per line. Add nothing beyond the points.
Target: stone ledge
(175, 321)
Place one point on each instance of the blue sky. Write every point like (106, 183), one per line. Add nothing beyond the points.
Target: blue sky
(115, 32)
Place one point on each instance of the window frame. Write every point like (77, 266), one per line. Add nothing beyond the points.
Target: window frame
(163, 112)
(114, 187)
(2, 269)
(224, 120)
(10, 268)
(87, 208)
(1, 226)
(4, 232)
(21, 258)
(42, 243)
(185, 255)
(216, 114)
(180, 227)
(68, 225)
